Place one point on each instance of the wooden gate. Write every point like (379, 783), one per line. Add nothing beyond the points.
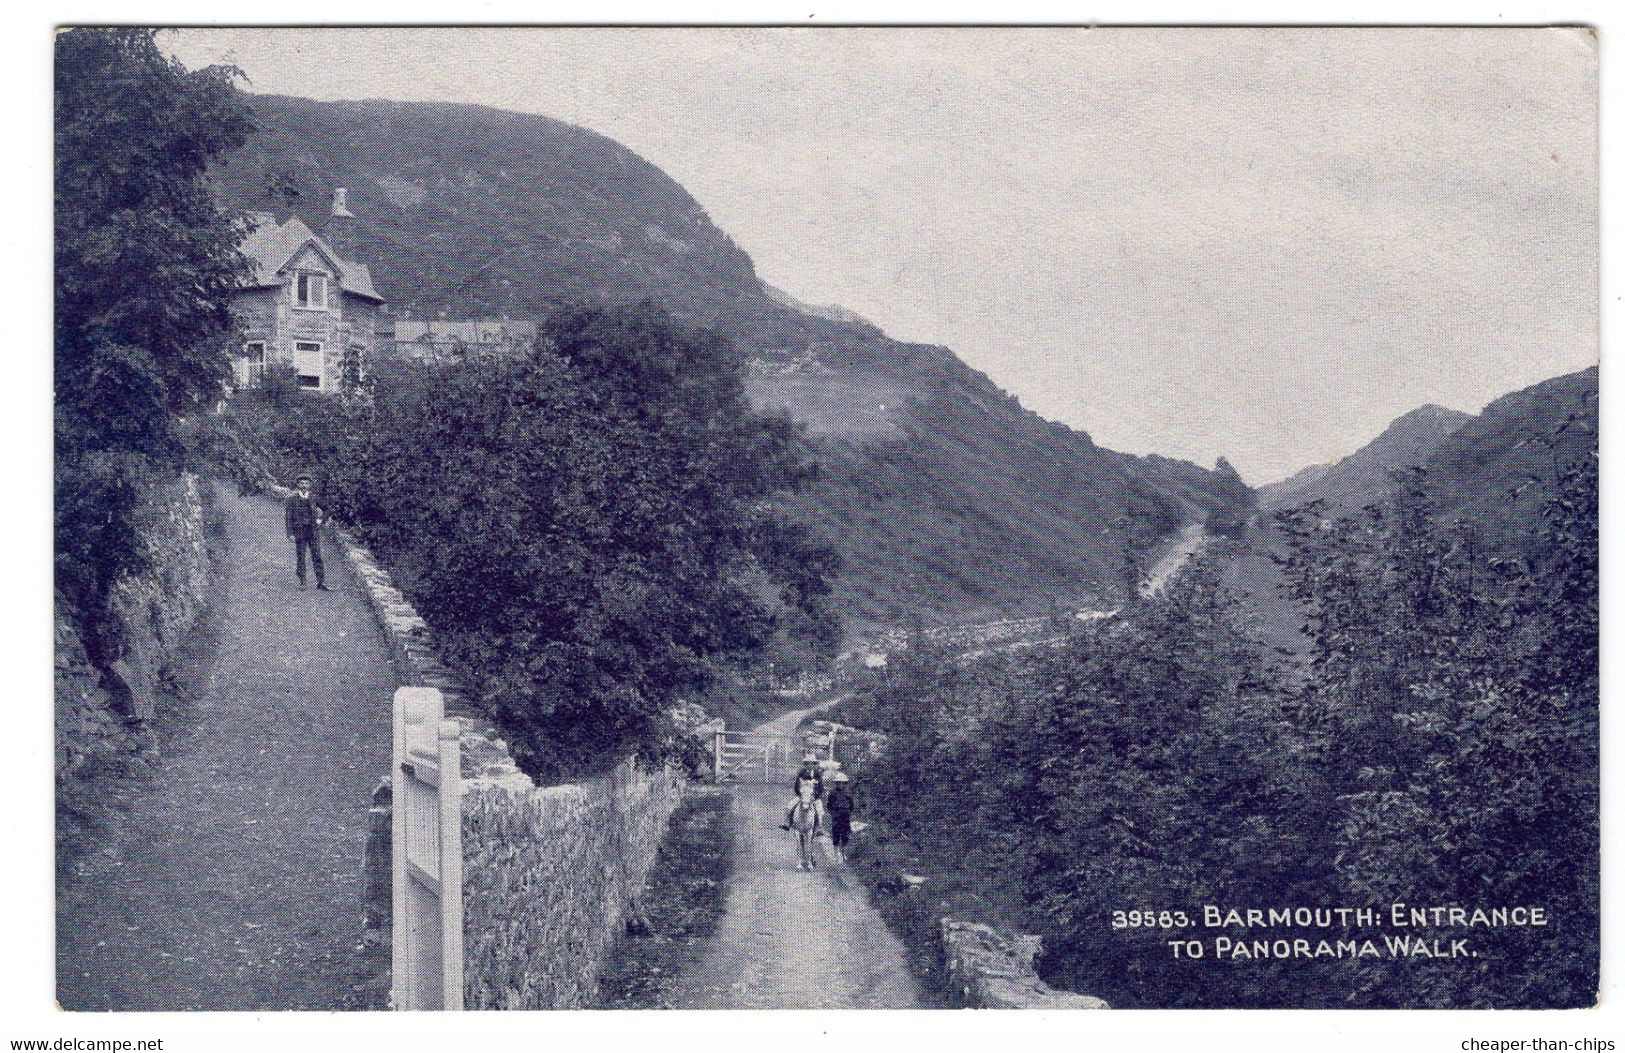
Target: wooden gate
(427, 855)
(746, 756)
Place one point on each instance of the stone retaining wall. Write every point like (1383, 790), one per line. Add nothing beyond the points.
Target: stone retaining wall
(549, 873)
(993, 970)
(103, 714)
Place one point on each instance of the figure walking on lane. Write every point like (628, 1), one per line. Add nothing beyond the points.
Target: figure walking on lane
(304, 516)
(838, 803)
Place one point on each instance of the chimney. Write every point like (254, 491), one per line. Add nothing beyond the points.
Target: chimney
(338, 231)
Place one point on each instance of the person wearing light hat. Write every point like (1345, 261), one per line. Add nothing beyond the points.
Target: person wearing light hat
(810, 771)
(838, 804)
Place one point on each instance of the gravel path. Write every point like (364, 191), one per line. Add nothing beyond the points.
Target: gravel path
(236, 880)
(790, 939)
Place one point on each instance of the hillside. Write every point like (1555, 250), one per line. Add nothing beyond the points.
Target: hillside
(1494, 472)
(947, 498)
(1498, 469)
(1363, 476)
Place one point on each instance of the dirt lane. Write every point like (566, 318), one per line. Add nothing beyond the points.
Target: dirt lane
(236, 880)
(790, 939)
(1191, 540)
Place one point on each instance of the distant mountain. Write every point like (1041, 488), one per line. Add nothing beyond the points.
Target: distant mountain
(1494, 472)
(1364, 476)
(949, 500)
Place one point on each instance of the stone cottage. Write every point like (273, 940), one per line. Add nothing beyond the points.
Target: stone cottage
(307, 303)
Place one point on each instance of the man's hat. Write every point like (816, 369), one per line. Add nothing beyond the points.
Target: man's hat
(809, 757)
(840, 776)
(303, 479)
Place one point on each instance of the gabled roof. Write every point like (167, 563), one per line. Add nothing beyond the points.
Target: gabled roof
(270, 248)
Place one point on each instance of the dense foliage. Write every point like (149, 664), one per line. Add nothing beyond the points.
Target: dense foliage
(1454, 707)
(590, 529)
(145, 264)
(1442, 751)
(1144, 764)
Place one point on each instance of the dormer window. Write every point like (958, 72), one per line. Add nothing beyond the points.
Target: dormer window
(310, 291)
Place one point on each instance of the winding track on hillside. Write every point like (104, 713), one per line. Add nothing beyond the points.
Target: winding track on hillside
(236, 880)
(1179, 551)
(790, 939)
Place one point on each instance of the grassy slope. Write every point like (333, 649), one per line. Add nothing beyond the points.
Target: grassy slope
(947, 498)
(1362, 476)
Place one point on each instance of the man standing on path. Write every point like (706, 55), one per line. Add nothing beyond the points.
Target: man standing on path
(304, 516)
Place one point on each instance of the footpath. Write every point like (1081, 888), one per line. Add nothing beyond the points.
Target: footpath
(235, 881)
(792, 939)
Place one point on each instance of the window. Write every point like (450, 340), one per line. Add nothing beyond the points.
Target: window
(308, 363)
(253, 362)
(310, 291)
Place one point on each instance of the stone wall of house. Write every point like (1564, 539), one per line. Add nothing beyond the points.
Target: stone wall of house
(267, 314)
(989, 969)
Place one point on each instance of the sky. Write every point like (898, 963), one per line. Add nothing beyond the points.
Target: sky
(1257, 243)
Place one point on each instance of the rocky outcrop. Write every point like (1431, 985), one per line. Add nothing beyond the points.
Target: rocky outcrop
(103, 705)
(992, 970)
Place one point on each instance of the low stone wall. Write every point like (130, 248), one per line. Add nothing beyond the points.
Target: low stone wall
(550, 874)
(993, 970)
(411, 647)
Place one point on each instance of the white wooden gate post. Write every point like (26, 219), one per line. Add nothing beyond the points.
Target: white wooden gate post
(451, 865)
(426, 855)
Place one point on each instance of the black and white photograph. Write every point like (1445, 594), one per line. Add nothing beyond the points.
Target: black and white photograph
(820, 517)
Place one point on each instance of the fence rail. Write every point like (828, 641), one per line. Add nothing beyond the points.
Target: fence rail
(746, 756)
(426, 855)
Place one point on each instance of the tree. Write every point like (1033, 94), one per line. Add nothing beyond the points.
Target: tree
(1454, 709)
(145, 265)
(1143, 764)
(591, 530)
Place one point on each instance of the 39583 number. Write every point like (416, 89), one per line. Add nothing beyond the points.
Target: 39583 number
(1150, 919)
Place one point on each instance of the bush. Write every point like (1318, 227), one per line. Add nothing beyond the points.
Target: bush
(588, 529)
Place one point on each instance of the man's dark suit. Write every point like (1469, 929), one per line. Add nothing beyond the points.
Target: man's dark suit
(303, 517)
